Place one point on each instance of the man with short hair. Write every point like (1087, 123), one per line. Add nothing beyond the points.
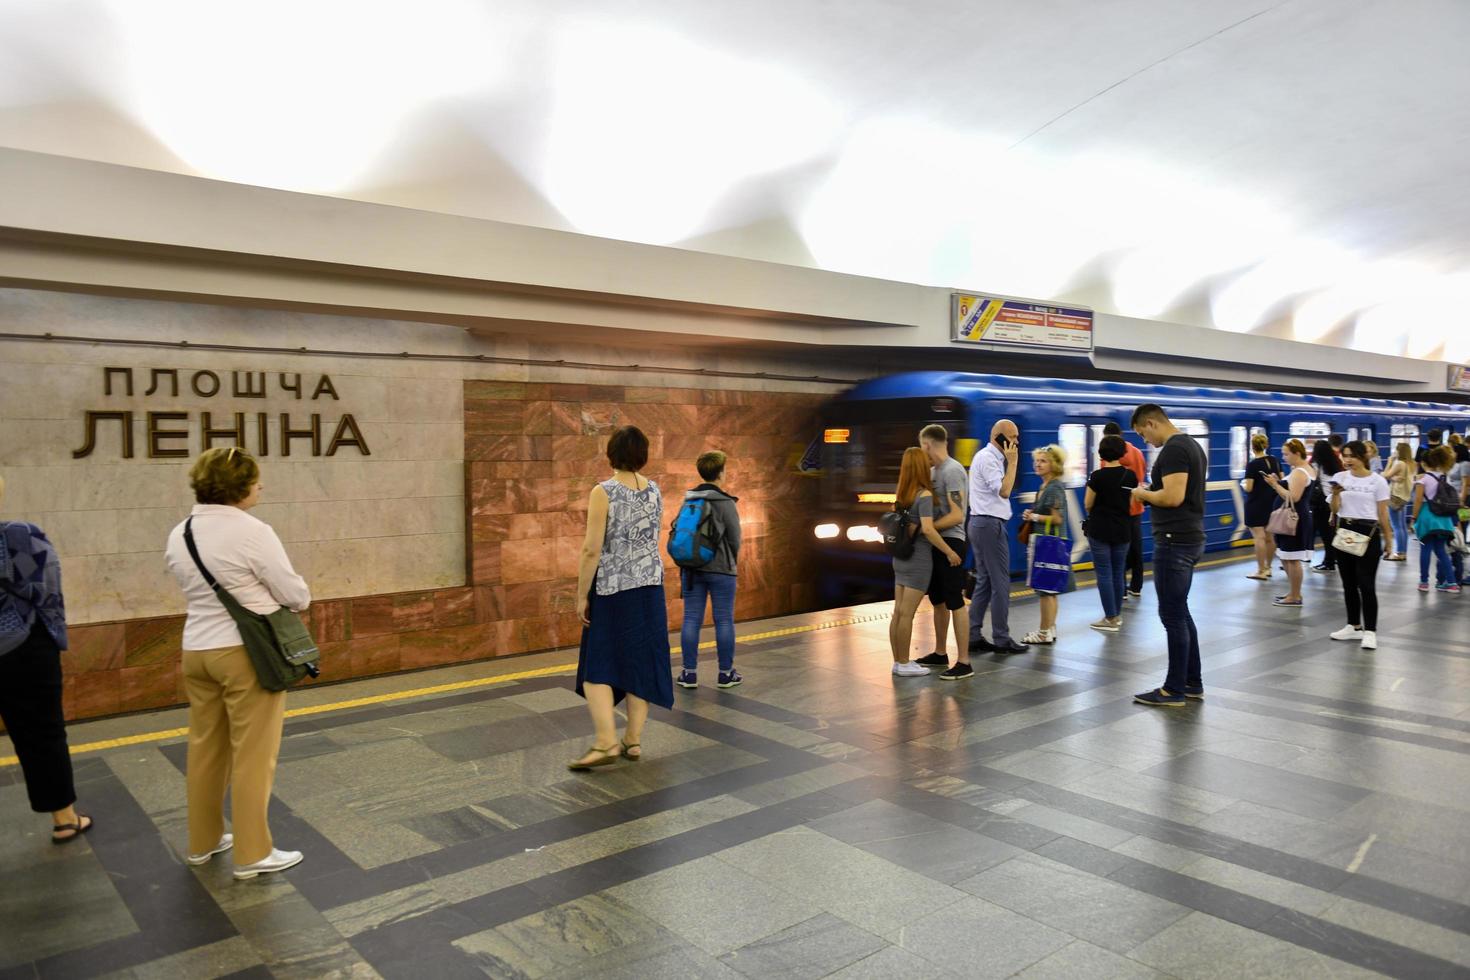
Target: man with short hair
(946, 581)
(1133, 460)
(1176, 493)
(1436, 436)
(992, 478)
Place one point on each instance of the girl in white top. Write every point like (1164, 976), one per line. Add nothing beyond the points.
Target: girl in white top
(234, 723)
(1359, 503)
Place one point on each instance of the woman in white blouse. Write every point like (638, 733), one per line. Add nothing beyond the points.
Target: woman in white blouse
(234, 723)
(1359, 502)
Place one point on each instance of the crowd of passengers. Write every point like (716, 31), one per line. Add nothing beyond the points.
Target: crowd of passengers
(233, 572)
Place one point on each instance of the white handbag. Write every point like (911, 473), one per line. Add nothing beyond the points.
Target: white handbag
(1351, 542)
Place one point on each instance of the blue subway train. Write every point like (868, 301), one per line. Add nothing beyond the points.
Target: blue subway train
(867, 428)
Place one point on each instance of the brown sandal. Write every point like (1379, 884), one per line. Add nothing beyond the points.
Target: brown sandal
(83, 824)
(633, 747)
(608, 757)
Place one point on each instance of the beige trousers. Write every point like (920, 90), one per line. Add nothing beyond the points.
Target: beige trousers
(234, 738)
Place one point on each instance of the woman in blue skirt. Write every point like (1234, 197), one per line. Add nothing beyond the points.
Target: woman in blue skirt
(620, 599)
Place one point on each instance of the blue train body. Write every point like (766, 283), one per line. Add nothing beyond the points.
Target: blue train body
(867, 428)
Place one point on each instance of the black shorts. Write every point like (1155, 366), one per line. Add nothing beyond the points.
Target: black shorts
(946, 581)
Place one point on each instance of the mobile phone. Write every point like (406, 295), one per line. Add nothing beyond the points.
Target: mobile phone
(1003, 441)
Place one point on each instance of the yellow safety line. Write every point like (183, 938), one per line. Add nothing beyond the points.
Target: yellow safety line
(419, 692)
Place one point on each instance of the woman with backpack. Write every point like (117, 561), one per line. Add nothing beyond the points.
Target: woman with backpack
(713, 578)
(912, 567)
(1433, 522)
(1326, 465)
(1260, 499)
(1400, 477)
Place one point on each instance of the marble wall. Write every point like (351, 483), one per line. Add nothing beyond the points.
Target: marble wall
(455, 540)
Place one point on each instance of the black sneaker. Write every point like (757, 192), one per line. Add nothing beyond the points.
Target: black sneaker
(687, 678)
(933, 660)
(1133, 594)
(1158, 699)
(958, 672)
(982, 645)
(1194, 693)
(730, 679)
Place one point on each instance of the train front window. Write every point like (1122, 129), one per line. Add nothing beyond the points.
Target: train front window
(868, 439)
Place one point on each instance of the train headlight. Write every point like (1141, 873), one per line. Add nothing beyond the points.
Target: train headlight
(864, 532)
(826, 531)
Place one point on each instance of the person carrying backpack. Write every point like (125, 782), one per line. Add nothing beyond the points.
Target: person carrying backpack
(1435, 508)
(705, 544)
(912, 515)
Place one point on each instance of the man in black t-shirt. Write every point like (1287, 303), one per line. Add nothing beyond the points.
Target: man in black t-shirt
(1176, 498)
(1435, 438)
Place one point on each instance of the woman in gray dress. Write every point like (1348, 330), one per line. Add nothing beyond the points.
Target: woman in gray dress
(911, 575)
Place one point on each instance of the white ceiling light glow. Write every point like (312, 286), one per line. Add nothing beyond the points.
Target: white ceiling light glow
(301, 96)
(1243, 303)
(649, 129)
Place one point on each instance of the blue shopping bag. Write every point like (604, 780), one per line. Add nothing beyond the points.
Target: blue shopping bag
(1051, 564)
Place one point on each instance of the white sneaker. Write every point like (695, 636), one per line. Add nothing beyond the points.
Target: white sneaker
(1348, 633)
(225, 843)
(1370, 640)
(278, 860)
(1107, 625)
(910, 669)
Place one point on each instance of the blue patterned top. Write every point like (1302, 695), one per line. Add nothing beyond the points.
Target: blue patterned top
(630, 555)
(30, 585)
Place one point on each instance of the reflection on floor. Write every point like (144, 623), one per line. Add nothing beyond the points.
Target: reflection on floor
(825, 819)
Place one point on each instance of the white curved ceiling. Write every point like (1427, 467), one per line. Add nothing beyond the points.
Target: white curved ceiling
(1298, 167)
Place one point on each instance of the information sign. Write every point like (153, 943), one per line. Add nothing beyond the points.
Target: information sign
(1005, 322)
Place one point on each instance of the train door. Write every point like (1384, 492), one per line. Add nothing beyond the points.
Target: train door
(1079, 441)
(1241, 436)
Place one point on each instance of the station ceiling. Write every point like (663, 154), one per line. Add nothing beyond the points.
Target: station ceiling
(1299, 168)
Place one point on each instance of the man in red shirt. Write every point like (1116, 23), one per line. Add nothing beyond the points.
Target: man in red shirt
(1133, 460)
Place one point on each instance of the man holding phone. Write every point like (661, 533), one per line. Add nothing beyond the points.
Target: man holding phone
(992, 478)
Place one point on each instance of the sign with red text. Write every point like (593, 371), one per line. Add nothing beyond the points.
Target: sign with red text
(1004, 322)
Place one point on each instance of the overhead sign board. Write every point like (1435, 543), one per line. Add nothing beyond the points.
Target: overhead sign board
(1459, 378)
(1000, 321)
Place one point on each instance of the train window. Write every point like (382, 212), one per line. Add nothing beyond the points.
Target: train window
(1308, 429)
(1240, 450)
(1190, 427)
(1405, 433)
(1072, 437)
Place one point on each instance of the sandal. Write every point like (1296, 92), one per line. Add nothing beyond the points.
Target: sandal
(606, 757)
(83, 824)
(1259, 577)
(1039, 637)
(631, 747)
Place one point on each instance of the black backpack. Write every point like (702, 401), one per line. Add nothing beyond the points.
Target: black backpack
(1445, 502)
(898, 528)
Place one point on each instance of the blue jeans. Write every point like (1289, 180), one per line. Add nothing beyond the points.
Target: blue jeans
(1173, 574)
(1440, 548)
(1111, 562)
(1400, 525)
(721, 592)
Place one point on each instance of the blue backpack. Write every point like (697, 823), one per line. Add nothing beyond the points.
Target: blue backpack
(694, 538)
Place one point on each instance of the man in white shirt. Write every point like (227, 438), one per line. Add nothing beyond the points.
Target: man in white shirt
(992, 478)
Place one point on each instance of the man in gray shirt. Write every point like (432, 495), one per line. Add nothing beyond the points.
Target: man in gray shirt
(947, 582)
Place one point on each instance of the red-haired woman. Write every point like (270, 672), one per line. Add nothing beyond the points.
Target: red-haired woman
(911, 575)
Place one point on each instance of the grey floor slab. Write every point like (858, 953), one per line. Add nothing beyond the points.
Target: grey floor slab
(816, 948)
(975, 938)
(1205, 947)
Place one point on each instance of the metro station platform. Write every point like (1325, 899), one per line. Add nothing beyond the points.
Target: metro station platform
(827, 819)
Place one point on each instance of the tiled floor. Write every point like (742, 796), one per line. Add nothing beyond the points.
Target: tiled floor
(826, 819)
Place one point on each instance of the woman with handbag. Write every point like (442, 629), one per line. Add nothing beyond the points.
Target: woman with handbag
(1360, 505)
(1326, 465)
(911, 575)
(1259, 499)
(1291, 522)
(1399, 474)
(1434, 531)
(234, 721)
(1047, 516)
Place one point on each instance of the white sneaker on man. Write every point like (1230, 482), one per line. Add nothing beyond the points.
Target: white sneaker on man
(1370, 640)
(225, 843)
(1348, 633)
(910, 669)
(278, 860)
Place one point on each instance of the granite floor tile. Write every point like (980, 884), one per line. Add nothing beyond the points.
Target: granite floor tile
(69, 902)
(713, 905)
(976, 938)
(221, 959)
(808, 950)
(894, 963)
(563, 939)
(1453, 947)
(1098, 910)
(1267, 785)
(1084, 960)
(1202, 946)
(867, 891)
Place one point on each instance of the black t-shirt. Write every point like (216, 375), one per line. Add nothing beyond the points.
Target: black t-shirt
(1181, 454)
(1255, 471)
(1108, 521)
